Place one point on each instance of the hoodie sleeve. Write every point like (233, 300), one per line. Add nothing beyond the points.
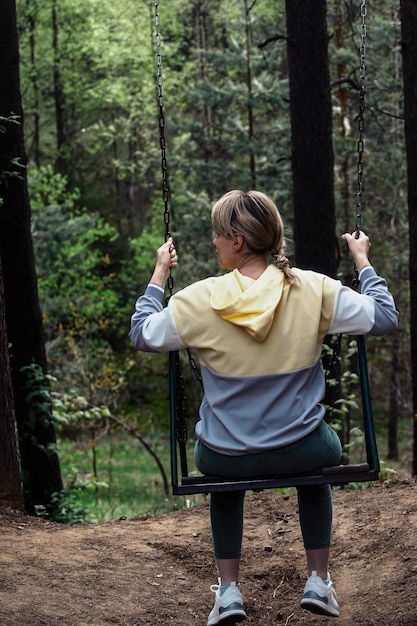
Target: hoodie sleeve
(152, 326)
(370, 312)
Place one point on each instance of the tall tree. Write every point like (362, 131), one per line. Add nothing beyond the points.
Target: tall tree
(10, 482)
(312, 160)
(251, 134)
(311, 136)
(40, 465)
(409, 54)
(59, 97)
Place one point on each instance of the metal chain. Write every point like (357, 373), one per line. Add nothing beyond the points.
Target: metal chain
(181, 429)
(162, 140)
(362, 73)
(181, 404)
(194, 367)
(361, 126)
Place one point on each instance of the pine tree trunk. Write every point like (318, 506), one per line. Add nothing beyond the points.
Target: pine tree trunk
(345, 123)
(10, 482)
(61, 164)
(312, 156)
(393, 410)
(32, 9)
(40, 465)
(311, 136)
(251, 121)
(408, 10)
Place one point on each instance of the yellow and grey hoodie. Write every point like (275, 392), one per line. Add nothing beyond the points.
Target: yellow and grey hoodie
(259, 345)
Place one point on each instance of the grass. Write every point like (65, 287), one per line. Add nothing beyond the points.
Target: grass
(405, 447)
(390, 469)
(119, 478)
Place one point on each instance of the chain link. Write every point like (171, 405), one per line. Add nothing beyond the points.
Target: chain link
(181, 429)
(162, 139)
(362, 74)
(194, 368)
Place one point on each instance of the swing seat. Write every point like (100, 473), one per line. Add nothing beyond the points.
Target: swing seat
(336, 475)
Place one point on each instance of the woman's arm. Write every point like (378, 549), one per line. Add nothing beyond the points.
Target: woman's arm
(152, 326)
(373, 310)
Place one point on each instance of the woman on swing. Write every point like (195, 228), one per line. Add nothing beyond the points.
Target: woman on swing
(258, 332)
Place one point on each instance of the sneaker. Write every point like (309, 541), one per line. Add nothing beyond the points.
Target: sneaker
(320, 596)
(228, 606)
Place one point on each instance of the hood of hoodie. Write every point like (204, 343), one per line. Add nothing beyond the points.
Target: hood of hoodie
(249, 303)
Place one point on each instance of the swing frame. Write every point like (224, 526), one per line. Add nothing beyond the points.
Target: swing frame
(184, 484)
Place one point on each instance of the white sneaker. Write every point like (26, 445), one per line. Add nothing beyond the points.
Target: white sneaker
(320, 596)
(228, 607)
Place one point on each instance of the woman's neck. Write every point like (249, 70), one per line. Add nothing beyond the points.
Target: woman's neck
(252, 265)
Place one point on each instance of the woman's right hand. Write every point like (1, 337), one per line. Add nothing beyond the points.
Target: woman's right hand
(359, 248)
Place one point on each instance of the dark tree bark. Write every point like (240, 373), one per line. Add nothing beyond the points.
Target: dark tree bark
(251, 120)
(408, 10)
(393, 409)
(40, 465)
(32, 10)
(311, 136)
(344, 102)
(61, 164)
(10, 482)
(312, 160)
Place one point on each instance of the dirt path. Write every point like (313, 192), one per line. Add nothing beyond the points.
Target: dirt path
(149, 571)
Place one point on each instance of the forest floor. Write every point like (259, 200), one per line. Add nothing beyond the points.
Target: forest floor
(158, 570)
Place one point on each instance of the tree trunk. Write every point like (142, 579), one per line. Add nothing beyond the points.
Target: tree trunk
(312, 158)
(311, 136)
(392, 450)
(408, 10)
(200, 45)
(10, 482)
(40, 465)
(61, 164)
(344, 129)
(32, 14)
(251, 122)
(399, 232)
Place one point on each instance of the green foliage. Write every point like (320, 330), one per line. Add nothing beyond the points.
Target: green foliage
(82, 287)
(127, 483)
(104, 65)
(80, 282)
(387, 473)
(144, 249)
(15, 170)
(67, 505)
(37, 390)
(356, 448)
(15, 167)
(11, 119)
(73, 412)
(50, 189)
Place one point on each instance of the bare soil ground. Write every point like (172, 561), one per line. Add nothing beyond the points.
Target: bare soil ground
(158, 570)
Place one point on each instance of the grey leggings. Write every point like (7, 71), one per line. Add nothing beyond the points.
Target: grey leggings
(318, 449)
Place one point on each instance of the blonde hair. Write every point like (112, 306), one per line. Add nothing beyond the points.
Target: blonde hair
(255, 216)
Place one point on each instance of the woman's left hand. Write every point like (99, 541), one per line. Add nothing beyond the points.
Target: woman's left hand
(166, 260)
(167, 254)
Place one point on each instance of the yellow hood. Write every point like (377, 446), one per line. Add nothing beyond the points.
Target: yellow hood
(249, 303)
